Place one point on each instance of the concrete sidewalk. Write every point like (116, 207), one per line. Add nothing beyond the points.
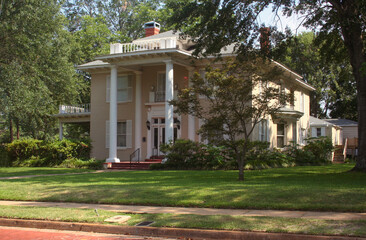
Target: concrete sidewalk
(197, 211)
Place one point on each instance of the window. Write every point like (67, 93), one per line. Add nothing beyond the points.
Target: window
(302, 103)
(280, 135)
(292, 98)
(124, 134)
(121, 134)
(318, 132)
(124, 88)
(263, 130)
(302, 136)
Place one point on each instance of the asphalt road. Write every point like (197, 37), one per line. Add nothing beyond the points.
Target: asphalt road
(14, 233)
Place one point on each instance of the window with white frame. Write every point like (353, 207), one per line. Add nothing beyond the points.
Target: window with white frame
(124, 134)
(302, 102)
(124, 88)
(263, 130)
(280, 135)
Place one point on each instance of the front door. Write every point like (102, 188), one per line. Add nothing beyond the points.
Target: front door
(158, 139)
(158, 135)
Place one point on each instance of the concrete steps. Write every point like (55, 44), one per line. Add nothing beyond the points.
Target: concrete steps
(132, 166)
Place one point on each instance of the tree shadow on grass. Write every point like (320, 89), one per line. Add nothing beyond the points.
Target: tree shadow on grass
(271, 190)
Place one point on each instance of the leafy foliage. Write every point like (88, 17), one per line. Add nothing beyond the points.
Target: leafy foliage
(216, 24)
(187, 154)
(38, 153)
(35, 72)
(335, 86)
(317, 151)
(224, 99)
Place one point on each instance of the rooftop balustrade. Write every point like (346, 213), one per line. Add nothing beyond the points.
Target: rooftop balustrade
(163, 43)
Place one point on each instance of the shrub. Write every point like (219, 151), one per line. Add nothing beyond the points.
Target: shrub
(186, 154)
(79, 163)
(317, 151)
(260, 156)
(321, 148)
(37, 153)
(4, 158)
(20, 150)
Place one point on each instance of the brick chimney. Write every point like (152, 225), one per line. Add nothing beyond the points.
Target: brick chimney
(264, 40)
(151, 28)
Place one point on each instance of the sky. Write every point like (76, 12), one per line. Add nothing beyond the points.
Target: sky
(269, 18)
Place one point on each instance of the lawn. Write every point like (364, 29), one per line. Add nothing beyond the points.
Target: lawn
(25, 171)
(328, 188)
(263, 224)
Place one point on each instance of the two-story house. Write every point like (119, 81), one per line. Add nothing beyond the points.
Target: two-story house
(131, 87)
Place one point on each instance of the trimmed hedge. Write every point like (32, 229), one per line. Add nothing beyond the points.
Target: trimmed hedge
(37, 153)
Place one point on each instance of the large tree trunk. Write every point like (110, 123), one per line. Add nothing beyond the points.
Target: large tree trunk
(352, 34)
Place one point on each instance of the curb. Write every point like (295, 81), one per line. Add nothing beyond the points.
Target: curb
(164, 232)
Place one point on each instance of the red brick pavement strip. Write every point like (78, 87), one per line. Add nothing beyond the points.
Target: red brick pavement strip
(13, 233)
(165, 232)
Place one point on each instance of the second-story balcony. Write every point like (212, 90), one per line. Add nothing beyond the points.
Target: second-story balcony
(80, 112)
(159, 96)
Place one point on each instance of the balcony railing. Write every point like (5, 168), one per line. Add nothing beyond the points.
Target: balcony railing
(143, 45)
(75, 109)
(159, 96)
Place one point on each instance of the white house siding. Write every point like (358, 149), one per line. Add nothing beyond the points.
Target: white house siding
(350, 132)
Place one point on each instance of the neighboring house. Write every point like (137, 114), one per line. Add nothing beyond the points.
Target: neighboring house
(323, 128)
(350, 134)
(145, 75)
(349, 127)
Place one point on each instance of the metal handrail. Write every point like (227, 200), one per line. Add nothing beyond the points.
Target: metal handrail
(134, 155)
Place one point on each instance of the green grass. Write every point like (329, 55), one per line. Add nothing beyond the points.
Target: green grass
(327, 188)
(25, 171)
(223, 222)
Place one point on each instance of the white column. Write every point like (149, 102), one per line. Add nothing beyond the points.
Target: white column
(61, 131)
(169, 88)
(113, 117)
(138, 111)
(191, 119)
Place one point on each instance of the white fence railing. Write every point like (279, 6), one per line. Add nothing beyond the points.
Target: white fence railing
(75, 109)
(143, 45)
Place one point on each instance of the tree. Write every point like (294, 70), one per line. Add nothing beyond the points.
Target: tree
(215, 24)
(35, 72)
(332, 78)
(229, 107)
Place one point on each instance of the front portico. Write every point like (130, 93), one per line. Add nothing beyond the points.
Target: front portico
(143, 68)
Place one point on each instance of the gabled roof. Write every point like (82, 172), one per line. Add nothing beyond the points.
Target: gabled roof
(316, 122)
(342, 122)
